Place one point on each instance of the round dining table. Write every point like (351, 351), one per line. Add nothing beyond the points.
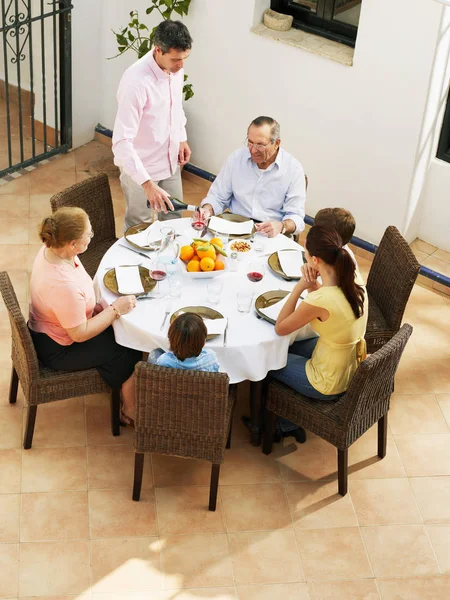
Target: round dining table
(252, 347)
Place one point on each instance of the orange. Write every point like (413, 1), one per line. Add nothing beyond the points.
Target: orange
(207, 264)
(209, 253)
(195, 257)
(193, 266)
(219, 265)
(216, 241)
(186, 252)
(196, 244)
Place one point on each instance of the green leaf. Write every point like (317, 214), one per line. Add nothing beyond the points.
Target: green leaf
(143, 49)
(122, 48)
(131, 36)
(149, 10)
(142, 26)
(188, 91)
(179, 10)
(121, 40)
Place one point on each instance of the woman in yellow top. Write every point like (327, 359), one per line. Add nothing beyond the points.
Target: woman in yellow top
(322, 368)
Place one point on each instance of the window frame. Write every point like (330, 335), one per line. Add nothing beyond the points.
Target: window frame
(319, 23)
(443, 149)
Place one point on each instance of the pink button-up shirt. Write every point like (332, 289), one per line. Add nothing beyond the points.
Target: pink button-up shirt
(150, 121)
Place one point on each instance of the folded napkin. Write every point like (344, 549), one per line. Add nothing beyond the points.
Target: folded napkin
(291, 262)
(129, 280)
(149, 236)
(215, 326)
(223, 226)
(274, 310)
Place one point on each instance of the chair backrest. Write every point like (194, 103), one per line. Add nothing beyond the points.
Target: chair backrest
(182, 413)
(392, 276)
(373, 382)
(24, 355)
(94, 196)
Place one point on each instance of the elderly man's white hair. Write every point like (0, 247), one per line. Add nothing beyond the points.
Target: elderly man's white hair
(274, 126)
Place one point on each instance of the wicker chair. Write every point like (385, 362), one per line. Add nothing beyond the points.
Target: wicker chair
(40, 384)
(341, 423)
(391, 278)
(182, 413)
(94, 196)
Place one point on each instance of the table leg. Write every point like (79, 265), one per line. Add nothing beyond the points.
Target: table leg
(256, 393)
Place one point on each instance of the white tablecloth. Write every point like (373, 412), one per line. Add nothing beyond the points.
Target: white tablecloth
(253, 347)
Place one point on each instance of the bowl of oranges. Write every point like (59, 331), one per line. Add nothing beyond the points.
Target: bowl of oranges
(203, 258)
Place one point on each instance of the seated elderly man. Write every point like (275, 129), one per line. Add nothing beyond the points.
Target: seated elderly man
(261, 181)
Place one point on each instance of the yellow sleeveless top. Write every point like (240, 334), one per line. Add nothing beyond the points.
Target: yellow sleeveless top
(341, 345)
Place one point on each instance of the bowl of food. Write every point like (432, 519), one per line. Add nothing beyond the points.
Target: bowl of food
(203, 259)
(241, 247)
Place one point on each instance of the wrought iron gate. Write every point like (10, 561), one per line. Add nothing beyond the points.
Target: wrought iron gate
(35, 81)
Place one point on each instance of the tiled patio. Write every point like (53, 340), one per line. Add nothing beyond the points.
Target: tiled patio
(69, 529)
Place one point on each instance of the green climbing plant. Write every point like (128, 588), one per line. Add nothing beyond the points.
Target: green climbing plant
(138, 37)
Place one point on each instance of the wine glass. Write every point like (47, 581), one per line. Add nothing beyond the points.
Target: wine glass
(158, 272)
(256, 271)
(198, 221)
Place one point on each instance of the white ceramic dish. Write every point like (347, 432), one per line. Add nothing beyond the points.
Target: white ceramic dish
(203, 274)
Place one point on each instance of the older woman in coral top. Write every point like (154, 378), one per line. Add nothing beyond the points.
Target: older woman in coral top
(69, 330)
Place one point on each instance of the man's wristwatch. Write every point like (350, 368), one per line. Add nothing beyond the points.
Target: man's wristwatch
(283, 228)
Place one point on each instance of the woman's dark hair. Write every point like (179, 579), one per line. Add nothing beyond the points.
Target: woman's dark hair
(187, 336)
(172, 34)
(327, 245)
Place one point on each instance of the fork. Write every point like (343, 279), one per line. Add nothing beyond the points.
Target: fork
(166, 314)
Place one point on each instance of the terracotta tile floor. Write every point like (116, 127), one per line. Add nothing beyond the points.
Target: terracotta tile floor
(69, 529)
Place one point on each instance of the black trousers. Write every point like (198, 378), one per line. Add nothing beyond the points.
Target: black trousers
(113, 362)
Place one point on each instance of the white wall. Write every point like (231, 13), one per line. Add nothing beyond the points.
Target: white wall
(434, 224)
(88, 30)
(355, 129)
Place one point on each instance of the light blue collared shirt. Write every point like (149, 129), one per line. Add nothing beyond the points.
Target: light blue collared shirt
(205, 361)
(274, 194)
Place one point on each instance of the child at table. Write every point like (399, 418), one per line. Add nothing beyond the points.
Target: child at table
(187, 337)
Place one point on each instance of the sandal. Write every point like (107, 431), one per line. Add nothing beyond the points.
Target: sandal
(124, 418)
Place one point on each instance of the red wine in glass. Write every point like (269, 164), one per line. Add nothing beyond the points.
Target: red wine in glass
(255, 276)
(198, 225)
(158, 275)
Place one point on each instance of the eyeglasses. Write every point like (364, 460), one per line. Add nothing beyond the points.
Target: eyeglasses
(259, 147)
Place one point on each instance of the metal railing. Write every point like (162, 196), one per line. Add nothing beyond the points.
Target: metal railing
(35, 81)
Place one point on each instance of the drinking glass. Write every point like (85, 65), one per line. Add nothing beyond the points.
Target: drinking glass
(214, 291)
(224, 237)
(259, 240)
(255, 271)
(244, 301)
(158, 272)
(175, 287)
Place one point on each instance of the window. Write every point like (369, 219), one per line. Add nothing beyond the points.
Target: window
(443, 151)
(333, 19)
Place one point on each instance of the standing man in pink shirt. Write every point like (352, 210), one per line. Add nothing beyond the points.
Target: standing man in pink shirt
(149, 140)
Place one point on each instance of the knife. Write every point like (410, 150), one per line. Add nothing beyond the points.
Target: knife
(136, 251)
(225, 335)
